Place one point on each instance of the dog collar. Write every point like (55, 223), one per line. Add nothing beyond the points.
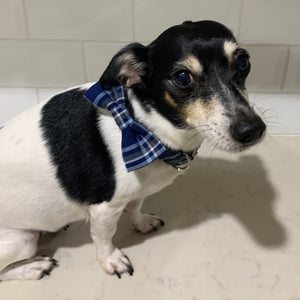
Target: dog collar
(140, 146)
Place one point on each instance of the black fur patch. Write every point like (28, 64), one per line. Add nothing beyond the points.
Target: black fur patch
(160, 60)
(83, 164)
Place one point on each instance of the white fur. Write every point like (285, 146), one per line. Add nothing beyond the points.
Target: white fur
(229, 48)
(180, 139)
(32, 200)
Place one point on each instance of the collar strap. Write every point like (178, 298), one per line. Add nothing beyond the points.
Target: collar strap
(140, 146)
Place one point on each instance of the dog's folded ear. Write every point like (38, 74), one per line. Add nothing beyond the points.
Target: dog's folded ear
(127, 67)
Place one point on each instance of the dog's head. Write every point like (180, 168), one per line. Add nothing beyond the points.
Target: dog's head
(194, 76)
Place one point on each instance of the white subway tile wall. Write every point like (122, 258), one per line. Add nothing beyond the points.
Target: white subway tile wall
(61, 43)
(12, 19)
(270, 63)
(45, 94)
(154, 16)
(104, 20)
(98, 56)
(270, 22)
(40, 63)
(57, 44)
(14, 101)
(292, 82)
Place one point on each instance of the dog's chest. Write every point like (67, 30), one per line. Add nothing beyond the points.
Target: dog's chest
(156, 177)
(144, 182)
(140, 183)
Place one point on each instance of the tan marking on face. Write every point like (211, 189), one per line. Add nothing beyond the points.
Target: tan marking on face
(245, 94)
(193, 64)
(199, 112)
(170, 100)
(229, 48)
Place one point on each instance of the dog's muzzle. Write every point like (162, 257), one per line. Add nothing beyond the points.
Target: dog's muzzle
(248, 132)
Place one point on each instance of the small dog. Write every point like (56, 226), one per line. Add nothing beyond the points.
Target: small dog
(97, 150)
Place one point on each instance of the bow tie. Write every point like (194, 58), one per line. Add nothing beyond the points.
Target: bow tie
(140, 146)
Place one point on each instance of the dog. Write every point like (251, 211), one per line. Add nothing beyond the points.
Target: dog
(94, 151)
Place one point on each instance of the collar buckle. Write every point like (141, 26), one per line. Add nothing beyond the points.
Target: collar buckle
(189, 157)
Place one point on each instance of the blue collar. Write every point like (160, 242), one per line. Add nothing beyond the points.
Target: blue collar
(140, 146)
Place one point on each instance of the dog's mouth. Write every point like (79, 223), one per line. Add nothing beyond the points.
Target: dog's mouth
(235, 137)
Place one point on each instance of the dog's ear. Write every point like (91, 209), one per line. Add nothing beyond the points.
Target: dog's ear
(127, 67)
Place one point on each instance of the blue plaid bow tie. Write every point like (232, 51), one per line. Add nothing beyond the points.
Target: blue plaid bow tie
(140, 146)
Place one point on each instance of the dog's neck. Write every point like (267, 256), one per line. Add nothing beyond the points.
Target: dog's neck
(186, 140)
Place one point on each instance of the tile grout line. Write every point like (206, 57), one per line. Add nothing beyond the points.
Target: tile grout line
(66, 87)
(285, 68)
(124, 42)
(270, 45)
(240, 17)
(85, 74)
(26, 19)
(37, 95)
(34, 40)
(133, 19)
(34, 87)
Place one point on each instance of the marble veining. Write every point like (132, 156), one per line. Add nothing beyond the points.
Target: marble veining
(231, 233)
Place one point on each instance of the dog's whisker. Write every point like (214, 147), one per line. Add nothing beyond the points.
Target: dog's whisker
(198, 132)
(272, 117)
(213, 148)
(272, 123)
(267, 110)
(201, 125)
(205, 130)
(213, 145)
(275, 121)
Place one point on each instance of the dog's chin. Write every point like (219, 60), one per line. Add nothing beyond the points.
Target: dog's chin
(228, 144)
(232, 147)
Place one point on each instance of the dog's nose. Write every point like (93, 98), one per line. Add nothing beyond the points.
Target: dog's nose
(248, 132)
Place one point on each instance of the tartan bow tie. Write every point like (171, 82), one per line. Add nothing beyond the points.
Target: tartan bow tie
(140, 146)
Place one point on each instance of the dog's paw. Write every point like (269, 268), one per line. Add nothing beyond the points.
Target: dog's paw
(117, 263)
(31, 269)
(148, 223)
(39, 267)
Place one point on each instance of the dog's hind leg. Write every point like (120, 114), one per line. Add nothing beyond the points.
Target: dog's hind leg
(140, 222)
(17, 247)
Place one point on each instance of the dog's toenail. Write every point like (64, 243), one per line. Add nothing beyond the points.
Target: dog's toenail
(117, 273)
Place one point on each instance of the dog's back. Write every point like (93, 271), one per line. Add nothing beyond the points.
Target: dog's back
(30, 195)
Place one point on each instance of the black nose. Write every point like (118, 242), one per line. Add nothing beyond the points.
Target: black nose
(248, 132)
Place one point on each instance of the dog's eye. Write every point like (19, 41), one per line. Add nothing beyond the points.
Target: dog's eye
(182, 78)
(242, 63)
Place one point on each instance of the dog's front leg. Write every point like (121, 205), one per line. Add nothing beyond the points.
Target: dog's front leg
(103, 224)
(140, 222)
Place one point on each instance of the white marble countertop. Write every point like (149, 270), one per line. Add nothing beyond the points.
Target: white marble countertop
(232, 232)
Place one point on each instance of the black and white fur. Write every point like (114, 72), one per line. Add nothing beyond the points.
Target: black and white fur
(61, 161)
